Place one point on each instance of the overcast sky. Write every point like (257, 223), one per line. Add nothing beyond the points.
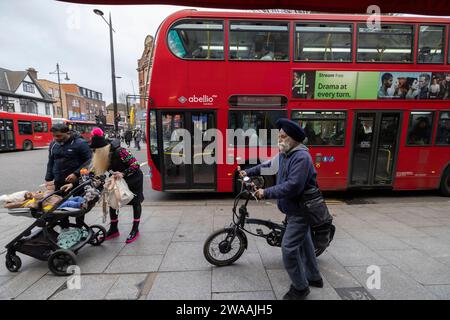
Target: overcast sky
(40, 33)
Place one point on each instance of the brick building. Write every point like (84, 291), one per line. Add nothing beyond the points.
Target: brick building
(144, 69)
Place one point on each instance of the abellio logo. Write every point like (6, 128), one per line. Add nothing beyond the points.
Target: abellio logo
(205, 99)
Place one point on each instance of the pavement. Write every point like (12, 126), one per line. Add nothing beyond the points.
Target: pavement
(391, 251)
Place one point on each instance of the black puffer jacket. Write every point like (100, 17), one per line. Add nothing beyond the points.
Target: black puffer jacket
(66, 159)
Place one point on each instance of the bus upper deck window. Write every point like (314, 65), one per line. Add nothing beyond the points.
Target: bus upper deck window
(197, 39)
(323, 42)
(431, 44)
(390, 43)
(264, 41)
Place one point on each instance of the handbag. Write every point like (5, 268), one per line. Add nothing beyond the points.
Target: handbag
(315, 207)
(117, 192)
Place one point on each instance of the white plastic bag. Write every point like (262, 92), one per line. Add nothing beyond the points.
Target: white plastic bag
(117, 192)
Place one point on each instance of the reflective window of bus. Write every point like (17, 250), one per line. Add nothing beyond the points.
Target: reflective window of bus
(420, 128)
(390, 43)
(323, 42)
(431, 44)
(443, 129)
(265, 41)
(38, 127)
(262, 122)
(25, 127)
(322, 128)
(197, 39)
(153, 133)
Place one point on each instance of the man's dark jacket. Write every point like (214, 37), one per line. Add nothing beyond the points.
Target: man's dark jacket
(66, 159)
(296, 174)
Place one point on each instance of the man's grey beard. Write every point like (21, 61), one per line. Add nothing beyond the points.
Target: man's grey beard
(287, 145)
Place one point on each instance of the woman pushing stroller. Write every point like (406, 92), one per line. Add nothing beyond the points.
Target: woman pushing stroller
(110, 156)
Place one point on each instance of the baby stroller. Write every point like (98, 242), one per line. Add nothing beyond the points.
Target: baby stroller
(40, 240)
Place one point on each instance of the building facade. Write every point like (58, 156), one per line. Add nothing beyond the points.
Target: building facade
(21, 92)
(144, 69)
(52, 89)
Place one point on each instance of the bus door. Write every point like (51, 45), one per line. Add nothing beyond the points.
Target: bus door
(7, 135)
(374, 152)
(187, 166)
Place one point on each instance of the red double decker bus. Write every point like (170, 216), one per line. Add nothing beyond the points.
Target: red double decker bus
(23, 131)
(83, 127)
(372, 96)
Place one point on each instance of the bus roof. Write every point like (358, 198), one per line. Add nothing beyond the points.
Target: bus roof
(192, 13)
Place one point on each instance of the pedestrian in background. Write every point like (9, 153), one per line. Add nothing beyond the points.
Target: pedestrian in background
(137, 139)
(128, 137)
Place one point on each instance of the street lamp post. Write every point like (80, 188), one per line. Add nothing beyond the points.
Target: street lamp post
(113, 71)
(58, 72)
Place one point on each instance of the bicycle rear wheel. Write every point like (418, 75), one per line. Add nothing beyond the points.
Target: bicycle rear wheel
(221, 249)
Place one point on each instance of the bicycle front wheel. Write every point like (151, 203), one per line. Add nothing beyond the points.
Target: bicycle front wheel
(222, 249)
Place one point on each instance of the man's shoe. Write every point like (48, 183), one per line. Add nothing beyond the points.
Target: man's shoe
(316, 283)
(294, 294)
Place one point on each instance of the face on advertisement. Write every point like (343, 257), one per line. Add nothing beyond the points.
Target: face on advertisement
(423, 82)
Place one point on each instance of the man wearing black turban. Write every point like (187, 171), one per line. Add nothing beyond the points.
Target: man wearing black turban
(296, 174)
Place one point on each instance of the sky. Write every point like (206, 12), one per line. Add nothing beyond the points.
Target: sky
(41, 33)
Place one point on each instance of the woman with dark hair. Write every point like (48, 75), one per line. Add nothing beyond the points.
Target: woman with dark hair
(109, 155)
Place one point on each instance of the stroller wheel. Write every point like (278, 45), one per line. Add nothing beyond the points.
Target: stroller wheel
(13, 263)
(99, 235)
(60, 260)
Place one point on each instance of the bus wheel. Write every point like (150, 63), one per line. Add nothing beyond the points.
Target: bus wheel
(27, 145)
(445, 183)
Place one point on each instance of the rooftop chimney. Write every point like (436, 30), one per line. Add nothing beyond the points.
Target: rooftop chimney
(33, 73)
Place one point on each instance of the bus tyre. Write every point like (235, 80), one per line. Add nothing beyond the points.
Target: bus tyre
(445, 183)
(219, 251)
(27, 145)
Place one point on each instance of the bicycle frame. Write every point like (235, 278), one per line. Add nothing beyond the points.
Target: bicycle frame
(273, 237)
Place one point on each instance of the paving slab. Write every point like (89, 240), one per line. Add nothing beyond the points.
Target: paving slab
(246, 274)
(378, 240)
(336, 275)
(442, 292)
(281, 283)
(127, 287)
(196, 230)
(93, 287)
(149, 243)
(245, 296)
(24, 280)
(44, 288)
(395, 284)
(160, 224)
(432, 246)
(135, 264)
(4, 279)
(184, 256)
(185, 285)
(419, 266)
(359, 254)
(96, 259)
(271, 256)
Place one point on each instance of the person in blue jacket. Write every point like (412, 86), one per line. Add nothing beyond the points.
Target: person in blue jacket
(67, 154)
(295, 174)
